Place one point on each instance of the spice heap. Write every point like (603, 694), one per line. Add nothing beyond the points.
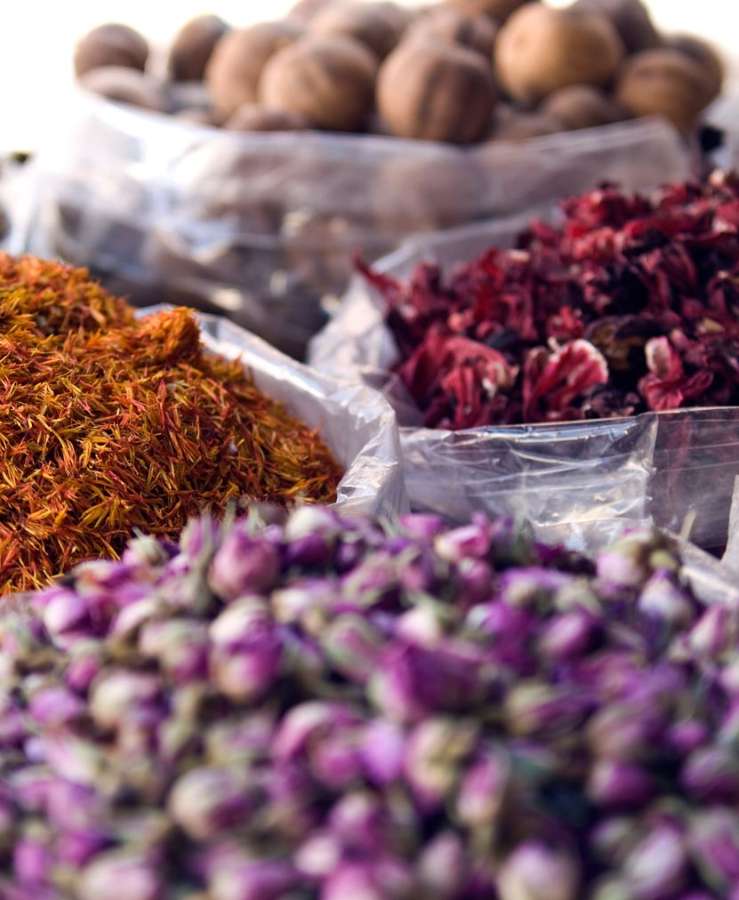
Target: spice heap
(630, 305)
(299, 705)
(109, 424)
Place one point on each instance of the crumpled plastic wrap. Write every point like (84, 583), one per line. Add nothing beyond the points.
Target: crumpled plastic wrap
(262, 227)
(575, 481)
(356, 423)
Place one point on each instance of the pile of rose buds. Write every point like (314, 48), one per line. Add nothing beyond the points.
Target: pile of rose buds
(304, 706)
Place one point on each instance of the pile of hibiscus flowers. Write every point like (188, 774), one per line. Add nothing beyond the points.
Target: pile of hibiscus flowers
(630, 304)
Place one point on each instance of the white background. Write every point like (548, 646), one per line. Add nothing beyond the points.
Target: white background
(38, 37)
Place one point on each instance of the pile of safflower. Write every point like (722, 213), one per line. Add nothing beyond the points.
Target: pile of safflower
(300, 706)
(630, 305)
(110, 423)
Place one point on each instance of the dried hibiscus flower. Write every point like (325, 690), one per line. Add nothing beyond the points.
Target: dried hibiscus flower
(630, 304)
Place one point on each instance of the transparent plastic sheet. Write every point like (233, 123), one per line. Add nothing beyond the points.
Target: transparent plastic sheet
(262, 227)
(356, 423)
(575, 481)
(14, 208)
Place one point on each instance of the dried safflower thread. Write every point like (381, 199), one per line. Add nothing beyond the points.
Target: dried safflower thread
(630, 305)
(110, 423)
(298, 704)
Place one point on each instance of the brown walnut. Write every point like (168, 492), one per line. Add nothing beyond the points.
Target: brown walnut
(436, 92)
(541, 49)
(327, 80)
(236, 66)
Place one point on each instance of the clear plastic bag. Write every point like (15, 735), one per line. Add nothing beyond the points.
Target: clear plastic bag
(356, 423)
(579, 480)
(262, 227)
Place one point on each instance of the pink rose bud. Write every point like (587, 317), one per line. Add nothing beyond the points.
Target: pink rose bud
(243, 564)
(535, 872)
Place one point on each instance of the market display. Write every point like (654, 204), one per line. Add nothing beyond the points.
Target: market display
(110, 423)
(312, 706)
(459, 71)
(629, 305)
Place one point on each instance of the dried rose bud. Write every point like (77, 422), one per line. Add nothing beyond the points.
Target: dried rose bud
(483, 790)
(443, 866)
(55, 706)
(145, 554)
(359, 820)
(658, 866)
(123, 875)
(32, 861)
(421, 625)
(663, 599)
(253, 880)
(475, 580)
(715, 632)
(306, 521)
(246, 651)
(303, 598)
(352, 880)
(78, 759)
(85, 664)
(243, 564)
(712, 773)
(435, 756)
(633, 559)
(319, 855)
(382, 751)
(118, 694)
(412, 681)
(180, 646)
(352, 645)
(687, 735)
(206, 802)
(240, 739)
(77, 848)
(567, 636)
(714, 845)
(73, 807)
(528, 587)
(613, 839)
(622, 732)
(421, 526)
(469, 542)
(619, 784)
(374, 580)
(335, 761)
(308, 723)
(65, 613)
(384, 879)
(535, 708)
(199, 538)
(535, 872)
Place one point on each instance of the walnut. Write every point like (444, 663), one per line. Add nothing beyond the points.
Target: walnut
(328, 80)
(111, 45)
(193, 46)
(429, 90)
(475, 32)
(540, 50)
(236, 66)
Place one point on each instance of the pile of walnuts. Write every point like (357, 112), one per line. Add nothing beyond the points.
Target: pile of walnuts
(460, 71)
